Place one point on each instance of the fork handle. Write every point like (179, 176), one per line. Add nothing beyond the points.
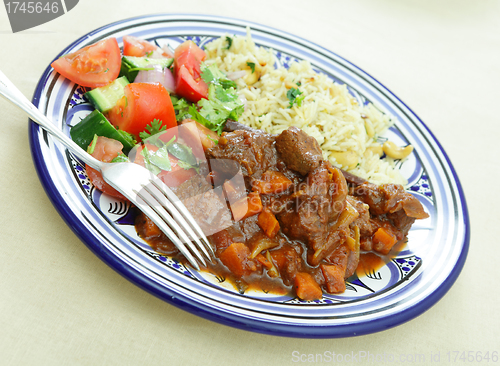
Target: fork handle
(14, 95)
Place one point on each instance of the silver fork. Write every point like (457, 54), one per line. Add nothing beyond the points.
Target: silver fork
(135, 182)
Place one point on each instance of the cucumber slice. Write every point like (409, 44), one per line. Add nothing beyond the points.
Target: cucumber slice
(96, 124)
(106, 97)
(132, 65)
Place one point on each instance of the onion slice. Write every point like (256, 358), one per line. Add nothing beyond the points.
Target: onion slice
(236, 74)
(157, 75)
(167, 50)
(158, 53)
(243, 100)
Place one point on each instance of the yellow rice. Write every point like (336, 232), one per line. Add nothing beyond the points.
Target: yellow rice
(345, 130)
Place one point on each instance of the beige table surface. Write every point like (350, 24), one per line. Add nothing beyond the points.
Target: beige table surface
(60, 305)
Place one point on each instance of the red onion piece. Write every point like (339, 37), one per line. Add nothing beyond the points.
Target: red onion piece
(244, 100)
(236, 74)
(167, 50)
(169, 82)
(157, 75)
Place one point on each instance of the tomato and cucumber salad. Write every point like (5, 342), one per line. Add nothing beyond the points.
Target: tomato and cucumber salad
(137, 121)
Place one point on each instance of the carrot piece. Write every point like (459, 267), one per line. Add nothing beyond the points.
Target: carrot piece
(272, 182)
(268, 223)
(150, 228)
(280, 257)
(383, 241)
(306, 287)
(254, 204)
(264, 261)
(240, 209)
(247, 206)
(334, 278)
(236, 259)
(231, 192)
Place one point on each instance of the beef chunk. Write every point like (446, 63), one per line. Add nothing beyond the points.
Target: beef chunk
(299, 151)
(390, 207)
(308, 213)
(253, 151)
(334, 269)
(363, 221)
(389, 198)
(288, 263)
(210, 211)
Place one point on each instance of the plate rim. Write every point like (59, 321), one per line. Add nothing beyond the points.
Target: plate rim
(237, 321)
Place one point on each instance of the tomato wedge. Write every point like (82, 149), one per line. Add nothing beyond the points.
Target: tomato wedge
(105, 150)
(133, 46)
(143, 103)
(190, 88)
(198, 137)
(95, 65)
(177, 175)
(189, 84)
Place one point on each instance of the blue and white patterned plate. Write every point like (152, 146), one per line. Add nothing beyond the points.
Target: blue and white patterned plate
(399, 291)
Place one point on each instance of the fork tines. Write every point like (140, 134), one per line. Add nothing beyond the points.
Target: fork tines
(163, 207)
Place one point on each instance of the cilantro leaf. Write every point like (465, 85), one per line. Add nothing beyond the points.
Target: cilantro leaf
(229, 41)
(212, 74)
(147, 162)
(160, 158)
(91, 147)
(127, 137)
(226, 84)
(170, 142)
(141, 69)
(193, 111)
(188, 166)
(293, 95)
(220, 105)
(181, 107)
(222, 102)
(182, 152)
(152, 129)
(179, 103)
(120, 158)
(252, 66)
(213, 140)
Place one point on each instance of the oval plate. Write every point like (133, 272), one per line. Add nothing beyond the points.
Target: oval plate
(404, 288)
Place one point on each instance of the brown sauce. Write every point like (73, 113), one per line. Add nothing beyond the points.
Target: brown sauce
(370, 262)
(254, 282)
